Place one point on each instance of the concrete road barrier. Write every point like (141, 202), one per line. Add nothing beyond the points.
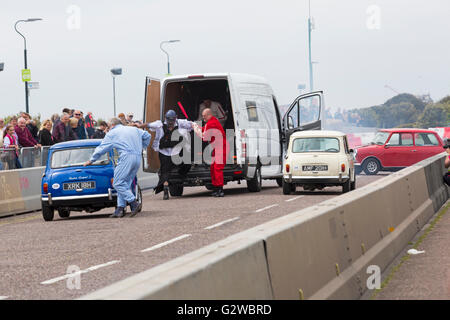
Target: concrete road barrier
(234, 268)
(321, 252)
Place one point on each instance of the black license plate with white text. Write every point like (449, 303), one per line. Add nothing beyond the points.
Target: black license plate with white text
(82, 185)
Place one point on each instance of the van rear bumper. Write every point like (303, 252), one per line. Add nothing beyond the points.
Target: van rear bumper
(201, 176)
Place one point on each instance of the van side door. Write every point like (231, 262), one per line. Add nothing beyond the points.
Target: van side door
(303, 114)
(152, 112)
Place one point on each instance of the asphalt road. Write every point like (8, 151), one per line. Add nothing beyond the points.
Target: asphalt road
(37, 256)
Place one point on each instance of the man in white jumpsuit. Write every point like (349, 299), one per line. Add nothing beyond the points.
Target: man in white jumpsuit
(129, 142)
(216, 109)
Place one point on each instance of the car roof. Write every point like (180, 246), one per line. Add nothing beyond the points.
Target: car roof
(407, 130)
(77, 144)
(317, 133)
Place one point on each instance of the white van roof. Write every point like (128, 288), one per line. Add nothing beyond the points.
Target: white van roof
(240, 77)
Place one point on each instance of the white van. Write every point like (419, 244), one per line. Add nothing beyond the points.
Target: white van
(256, 131)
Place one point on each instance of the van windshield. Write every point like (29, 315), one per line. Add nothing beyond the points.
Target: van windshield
(75, 157)
(319, 144)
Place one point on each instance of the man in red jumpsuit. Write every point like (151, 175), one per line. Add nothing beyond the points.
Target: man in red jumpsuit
(213, 133)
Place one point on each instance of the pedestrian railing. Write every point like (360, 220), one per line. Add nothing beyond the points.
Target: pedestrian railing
(28, 157)
(8, 158)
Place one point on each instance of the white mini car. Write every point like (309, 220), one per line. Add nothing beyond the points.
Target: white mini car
(318, 159)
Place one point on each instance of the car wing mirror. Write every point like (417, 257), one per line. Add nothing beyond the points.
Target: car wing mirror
(387, 145)
(290, 123)
(351, 151)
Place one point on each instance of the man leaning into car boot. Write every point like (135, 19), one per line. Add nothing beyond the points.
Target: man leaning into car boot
(129, 142)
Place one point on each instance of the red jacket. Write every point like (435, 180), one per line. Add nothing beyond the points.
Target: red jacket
(214, 129)
(25, 137)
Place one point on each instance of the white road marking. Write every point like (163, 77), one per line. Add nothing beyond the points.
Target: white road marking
(3, 297)
(292, 199)
(268, 207)
(221, 223)
(71, 275)
(166, 243)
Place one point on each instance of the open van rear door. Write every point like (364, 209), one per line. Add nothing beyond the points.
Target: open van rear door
(152, 112)
(303, 114)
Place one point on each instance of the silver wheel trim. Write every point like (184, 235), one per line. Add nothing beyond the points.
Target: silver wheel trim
(372, 166)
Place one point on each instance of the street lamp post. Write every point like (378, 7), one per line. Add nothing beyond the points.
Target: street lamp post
(115, 72)
(310, 28)
(168, 60)
(25, 56)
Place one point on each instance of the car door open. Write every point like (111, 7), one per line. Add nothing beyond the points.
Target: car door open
(303, 114)
(152, 112)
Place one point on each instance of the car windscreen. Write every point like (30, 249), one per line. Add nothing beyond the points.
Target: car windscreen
(315, 144)
(380, 138)
(75, 157)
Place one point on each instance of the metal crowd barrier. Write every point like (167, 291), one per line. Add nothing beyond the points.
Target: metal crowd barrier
(29, 157)
(8, 159)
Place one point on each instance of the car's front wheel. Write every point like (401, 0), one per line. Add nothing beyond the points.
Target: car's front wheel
(371, 166)
(63, 213)
(139, 198)
(47, 212)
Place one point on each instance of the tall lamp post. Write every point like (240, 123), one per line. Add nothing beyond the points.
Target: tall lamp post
(115, 72)
(310, 28)
(25, 56)
(168, 60)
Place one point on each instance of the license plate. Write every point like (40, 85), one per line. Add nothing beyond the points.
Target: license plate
(79, 185)
(315, 168)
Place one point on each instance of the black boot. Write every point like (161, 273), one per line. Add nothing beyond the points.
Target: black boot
(119, 213)
(220, 193)
(134, 206)
(166, 193)
(214, 193)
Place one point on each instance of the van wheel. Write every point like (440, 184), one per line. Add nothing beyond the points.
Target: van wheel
(346, 187)
(353, 185)
(371, 166)
(255, 184)
(280, 182)
(288, 188)
(47, 212)
(63, 213)
(176, 190)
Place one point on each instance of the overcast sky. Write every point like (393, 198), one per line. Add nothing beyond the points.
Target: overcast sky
(360, 47)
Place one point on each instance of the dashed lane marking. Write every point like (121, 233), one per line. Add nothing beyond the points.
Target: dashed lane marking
(166, 243)
(71, 275)
(292, 199)
(268, 207)
(221, 223)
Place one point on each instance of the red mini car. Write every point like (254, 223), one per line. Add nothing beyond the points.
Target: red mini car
(394, 149)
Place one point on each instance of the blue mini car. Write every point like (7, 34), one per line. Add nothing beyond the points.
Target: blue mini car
(69, 186)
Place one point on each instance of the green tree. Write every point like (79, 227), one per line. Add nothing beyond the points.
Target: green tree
(434, 115)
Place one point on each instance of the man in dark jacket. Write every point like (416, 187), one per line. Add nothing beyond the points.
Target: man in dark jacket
(62, 131)
(101, 132)
(80, 130)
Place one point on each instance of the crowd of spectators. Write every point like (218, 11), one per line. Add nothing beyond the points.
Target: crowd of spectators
(22, 132)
